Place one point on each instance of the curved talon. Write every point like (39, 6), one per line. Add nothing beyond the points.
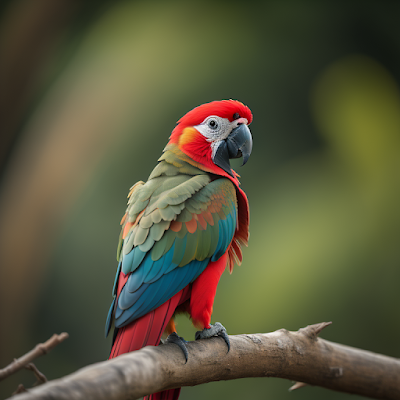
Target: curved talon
(225, 336)
(215, 330)
(180, 341)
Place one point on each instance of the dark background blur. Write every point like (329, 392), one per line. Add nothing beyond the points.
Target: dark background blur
(89, 93)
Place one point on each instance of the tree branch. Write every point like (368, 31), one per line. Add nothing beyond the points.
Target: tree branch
(299, 356)
(39, 350)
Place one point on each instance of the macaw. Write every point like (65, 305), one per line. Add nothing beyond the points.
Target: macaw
(180, 230)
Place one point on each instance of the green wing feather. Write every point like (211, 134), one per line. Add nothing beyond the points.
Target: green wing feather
(177, 208)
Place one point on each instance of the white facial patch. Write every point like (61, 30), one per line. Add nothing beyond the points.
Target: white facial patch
(215, 128)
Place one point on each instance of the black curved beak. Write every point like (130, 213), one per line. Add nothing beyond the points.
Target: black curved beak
(239, 143)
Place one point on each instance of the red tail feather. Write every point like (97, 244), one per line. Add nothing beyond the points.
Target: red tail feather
(147, 331)
(171, 394)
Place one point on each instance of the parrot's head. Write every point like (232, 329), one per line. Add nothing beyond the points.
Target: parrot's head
(213, 133)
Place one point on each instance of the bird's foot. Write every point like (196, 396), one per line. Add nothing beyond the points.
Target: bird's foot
(215, 330)
(180, 341)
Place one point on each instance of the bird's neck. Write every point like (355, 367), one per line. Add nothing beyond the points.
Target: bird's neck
(180, 163)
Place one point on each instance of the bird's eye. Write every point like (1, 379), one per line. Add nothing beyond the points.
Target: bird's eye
(213, 124)
(236, 116)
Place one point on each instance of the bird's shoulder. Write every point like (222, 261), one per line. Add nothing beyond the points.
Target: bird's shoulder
(170, 205)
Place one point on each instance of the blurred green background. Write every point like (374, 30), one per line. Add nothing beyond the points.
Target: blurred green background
(90, 91)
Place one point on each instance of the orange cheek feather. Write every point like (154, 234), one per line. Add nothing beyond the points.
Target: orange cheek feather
(188, 136)
(195, 145)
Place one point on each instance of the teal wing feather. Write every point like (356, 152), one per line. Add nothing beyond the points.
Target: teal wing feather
(181, 223)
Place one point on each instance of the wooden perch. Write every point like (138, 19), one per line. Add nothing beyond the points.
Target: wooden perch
(24, 361)
(300, 356)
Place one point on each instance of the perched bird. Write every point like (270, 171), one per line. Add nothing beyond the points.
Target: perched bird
(180, 230)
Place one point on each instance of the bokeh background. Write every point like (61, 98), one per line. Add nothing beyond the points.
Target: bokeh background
(89, 93)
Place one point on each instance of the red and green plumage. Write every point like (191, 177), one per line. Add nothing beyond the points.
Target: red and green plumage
(180, 230)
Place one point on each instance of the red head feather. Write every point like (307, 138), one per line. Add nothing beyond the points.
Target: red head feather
(193, 144)
(222, 108)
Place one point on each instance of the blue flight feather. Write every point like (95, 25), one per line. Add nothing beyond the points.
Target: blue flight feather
(132, 260)
(109, 318)
(128, 299)
(158, 267)
(156, 293)
(114, 290)
(136, 278)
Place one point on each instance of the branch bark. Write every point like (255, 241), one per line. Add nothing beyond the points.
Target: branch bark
(39, 350)
(299, 356)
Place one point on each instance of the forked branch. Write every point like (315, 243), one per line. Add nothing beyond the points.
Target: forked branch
(24, 361)
(299, 356)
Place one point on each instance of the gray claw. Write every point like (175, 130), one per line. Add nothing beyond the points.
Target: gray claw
(180, 341)
(216, 330)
